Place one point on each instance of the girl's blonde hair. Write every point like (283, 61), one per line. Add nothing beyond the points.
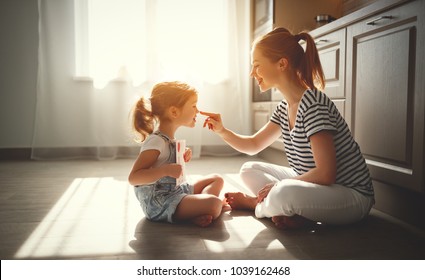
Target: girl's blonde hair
(280, 43)
(163, 96)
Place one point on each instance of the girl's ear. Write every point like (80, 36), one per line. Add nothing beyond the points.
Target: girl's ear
(174, 112)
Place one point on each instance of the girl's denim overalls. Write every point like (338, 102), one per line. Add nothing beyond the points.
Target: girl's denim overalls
(160, 199)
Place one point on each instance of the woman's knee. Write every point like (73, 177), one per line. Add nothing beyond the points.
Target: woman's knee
(285, 192)
(251, 171)
(248, 166)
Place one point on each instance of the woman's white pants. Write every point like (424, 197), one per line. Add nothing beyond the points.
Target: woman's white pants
(334, 204)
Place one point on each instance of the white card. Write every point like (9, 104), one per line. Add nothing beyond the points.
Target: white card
(180, 149)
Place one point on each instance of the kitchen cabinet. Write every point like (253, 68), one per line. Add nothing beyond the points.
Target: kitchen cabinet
(331, 48)
(385, 85)
(262, 112)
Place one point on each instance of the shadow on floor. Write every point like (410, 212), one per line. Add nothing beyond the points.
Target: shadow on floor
(373, 238)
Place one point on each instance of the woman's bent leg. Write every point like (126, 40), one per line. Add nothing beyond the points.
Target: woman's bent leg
(257, 174)
(333, 204)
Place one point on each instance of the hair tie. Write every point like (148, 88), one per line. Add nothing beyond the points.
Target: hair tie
(298, 37)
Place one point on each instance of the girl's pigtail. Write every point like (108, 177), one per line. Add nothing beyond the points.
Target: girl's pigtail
(143, 119)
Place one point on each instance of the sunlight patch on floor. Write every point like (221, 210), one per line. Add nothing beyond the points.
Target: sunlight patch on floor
(94, 216)
(98, 216)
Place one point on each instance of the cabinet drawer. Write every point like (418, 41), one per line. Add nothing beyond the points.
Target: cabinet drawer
(391, 18)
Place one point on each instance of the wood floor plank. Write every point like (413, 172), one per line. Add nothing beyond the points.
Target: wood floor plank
(87, 210)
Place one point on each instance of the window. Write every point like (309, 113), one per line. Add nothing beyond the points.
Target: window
(145, 40)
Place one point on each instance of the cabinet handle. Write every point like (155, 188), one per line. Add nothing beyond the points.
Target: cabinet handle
(374, 21)
(321, 41)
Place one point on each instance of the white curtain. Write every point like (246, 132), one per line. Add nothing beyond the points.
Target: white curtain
(83, 109)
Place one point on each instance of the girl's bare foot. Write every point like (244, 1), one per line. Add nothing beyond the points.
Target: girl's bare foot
(203, 221)
(293, 222)
(241, 201)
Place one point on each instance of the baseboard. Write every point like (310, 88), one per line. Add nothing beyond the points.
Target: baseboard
(15, 153)
(403, 204)
(64, 153)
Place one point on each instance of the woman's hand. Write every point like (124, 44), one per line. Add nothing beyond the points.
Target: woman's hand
(187, 155)
(213, 121)
(264, 192)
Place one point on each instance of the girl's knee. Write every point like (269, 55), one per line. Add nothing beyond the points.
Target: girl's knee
(215, 206)
(218, 180)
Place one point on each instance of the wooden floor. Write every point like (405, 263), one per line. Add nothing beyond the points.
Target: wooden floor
(87, 210)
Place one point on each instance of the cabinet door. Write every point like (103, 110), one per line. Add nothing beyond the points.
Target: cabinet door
(386, 87)
(331, 48)
(261, 114)
(278, 144)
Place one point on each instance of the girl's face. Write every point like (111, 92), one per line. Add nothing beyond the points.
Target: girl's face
(189, 112)
(265, 72)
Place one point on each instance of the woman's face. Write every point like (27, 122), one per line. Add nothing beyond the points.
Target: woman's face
(265, 72)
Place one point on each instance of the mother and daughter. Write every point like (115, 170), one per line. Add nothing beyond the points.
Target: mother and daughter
(328, 180)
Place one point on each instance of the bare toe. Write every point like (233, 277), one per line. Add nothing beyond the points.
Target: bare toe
(241, 201)
(292, 222)
(279, 222)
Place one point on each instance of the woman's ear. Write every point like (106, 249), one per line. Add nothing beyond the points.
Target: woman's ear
(283, 64)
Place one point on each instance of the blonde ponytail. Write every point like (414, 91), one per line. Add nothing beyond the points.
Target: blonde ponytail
(143, 119)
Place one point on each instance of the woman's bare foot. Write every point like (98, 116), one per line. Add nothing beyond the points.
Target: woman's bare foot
(293, 222)
(241, 201)
(203, 221)
(225, 205)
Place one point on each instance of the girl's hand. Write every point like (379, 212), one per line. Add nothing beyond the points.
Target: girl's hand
(213, 121)
(187, 155)
(264, 192)
(173, 170)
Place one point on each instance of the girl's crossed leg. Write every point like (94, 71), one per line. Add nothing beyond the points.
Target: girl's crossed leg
(204, 206)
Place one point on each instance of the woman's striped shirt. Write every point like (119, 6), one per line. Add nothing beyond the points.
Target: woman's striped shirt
(316, 112)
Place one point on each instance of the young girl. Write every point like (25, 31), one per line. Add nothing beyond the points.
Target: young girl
(328, 181)
(172, 104)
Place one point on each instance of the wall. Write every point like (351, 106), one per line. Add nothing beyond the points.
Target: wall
(300, 15)
(18, 77)
(18, 71)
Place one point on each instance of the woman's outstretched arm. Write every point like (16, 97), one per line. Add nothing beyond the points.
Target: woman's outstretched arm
(248, 144)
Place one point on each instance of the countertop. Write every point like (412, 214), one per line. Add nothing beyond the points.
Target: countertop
(372, 9)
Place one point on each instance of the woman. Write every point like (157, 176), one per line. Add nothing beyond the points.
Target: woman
(328, 180)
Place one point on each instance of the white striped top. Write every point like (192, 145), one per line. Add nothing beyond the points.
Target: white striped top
(316, 112)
